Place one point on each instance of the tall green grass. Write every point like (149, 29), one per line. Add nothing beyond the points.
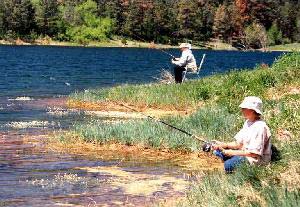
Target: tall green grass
(248, 186)
(213, 123)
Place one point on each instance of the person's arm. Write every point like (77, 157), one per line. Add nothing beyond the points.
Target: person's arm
(228, 145)
(240, 153)
(182, 60)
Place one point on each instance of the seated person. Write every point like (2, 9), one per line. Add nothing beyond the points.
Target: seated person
(185, 62)
(252, 143)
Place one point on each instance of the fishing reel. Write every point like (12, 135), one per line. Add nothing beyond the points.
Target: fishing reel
(207, 147)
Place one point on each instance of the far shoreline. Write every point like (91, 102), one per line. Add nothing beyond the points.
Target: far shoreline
(214, 45)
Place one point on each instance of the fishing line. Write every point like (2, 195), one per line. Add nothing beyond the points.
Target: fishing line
(167, 124)
(155, 47)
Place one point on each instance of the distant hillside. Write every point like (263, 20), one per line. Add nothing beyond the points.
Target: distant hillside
(243, 23)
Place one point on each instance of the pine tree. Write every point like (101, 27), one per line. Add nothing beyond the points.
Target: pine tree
(116, 10)
(18, 16)
(133, 22)
(47, 15)
(221, 20)
(2, 31)
(164, 21)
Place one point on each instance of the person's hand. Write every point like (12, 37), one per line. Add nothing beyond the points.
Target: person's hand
(217, 145)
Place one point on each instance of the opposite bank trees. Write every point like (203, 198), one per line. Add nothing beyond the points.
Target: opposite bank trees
(163, 21)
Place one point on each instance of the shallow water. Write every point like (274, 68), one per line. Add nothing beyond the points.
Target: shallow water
(34, 83)
(30, 175)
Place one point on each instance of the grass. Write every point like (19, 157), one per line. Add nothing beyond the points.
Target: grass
(214, 123)
(278, 86)
(286, 47)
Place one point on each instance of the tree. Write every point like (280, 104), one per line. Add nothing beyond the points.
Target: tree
(274, 35)
(221, 25)
(18, 17)
(287, 20)
(296, 35)
(115, 10)
(133, 22)
(256, 36)
(165, 21)
(185, 17)
(47, 16)
(1, 20)
(203, 22)
(88, 26)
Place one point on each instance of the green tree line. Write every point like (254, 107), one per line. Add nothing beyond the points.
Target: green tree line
(242, 23)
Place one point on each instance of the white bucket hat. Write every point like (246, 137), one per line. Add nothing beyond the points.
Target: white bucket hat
(185, 45)
(252, 102)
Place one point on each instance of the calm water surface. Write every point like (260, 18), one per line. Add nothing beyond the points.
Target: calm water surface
(35, 80)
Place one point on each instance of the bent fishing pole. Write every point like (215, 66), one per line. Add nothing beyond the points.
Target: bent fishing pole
(169, 125)
(155, 47)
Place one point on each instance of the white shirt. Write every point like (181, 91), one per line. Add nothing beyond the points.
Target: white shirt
(255, 138)
(186, 60)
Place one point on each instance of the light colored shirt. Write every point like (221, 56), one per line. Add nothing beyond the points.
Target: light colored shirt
(256, 138)
(186, 60)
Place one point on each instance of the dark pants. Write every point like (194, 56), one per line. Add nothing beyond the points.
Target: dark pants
(230, 163)
(178, 72)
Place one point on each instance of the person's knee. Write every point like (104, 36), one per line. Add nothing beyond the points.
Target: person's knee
(228, 166)
(231, 164)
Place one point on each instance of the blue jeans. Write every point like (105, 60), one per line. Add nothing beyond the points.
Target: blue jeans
(230, 163)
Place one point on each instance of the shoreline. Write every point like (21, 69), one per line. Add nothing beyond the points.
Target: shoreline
(117, 43)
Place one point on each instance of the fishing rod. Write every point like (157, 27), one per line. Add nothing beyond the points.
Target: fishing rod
(206, 143)
(155, 47)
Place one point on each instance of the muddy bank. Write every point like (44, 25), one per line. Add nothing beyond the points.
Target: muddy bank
(187, 161)
(124, 110)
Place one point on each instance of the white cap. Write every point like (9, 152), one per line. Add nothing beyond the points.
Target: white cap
(252, 102)
(185, 45)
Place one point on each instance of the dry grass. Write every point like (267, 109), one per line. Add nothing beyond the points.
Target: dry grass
(280, 92)
(113, 109)
(291, 176)
(166, 77)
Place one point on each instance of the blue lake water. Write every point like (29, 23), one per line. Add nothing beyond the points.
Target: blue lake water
(37, 71)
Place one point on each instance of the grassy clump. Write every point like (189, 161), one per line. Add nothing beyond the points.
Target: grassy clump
(214, 123)
(246, 187)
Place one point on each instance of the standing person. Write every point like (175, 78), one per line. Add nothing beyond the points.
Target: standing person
(252, 143)
(185, 62)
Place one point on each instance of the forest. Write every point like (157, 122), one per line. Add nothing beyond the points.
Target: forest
(241, 23)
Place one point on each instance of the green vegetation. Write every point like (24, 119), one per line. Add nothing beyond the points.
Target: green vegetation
(89, 27)
(243, 24)
(286, 47)
(278, 86)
